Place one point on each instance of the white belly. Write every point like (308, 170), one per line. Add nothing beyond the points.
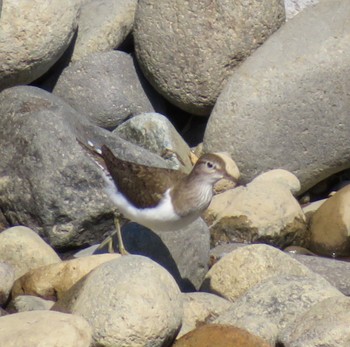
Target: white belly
(159, 218)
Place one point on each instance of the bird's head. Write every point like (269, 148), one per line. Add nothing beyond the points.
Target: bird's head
(212, 167)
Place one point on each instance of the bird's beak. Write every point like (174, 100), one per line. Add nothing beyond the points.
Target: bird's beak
(231, 178)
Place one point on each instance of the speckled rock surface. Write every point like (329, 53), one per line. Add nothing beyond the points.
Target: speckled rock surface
(198, 44)
(130, 301)
(287, 105)
(33, 37)
(23, 250)
(104, 87)
(31, 329)
(103, 26)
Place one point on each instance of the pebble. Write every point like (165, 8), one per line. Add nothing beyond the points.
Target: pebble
(24, 250)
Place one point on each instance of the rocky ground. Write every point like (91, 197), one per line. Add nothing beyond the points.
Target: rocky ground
(268, 83)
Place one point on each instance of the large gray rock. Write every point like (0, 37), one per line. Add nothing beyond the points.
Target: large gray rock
(275, 303)
(44, 328)
(198, 44)
(33, 36)
(245, 267)
(103, 25)
(184, 253)
(48, 182)
(130, 301)
(105, 87)
(325, 324)
(287, 106)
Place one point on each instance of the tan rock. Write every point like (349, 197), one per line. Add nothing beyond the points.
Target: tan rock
(330, 225)
(44, 328)
(245, 267)
(263, 211)
(129, 301)
(25, 250)
(7, 277)
(52, 281)
(200, 309)
(220, 336)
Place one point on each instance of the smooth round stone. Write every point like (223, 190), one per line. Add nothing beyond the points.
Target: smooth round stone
(25, 250)
(129, 301)
(220, 336)
(44, 328)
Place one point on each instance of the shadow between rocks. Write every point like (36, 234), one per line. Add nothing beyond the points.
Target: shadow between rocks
(139, 240)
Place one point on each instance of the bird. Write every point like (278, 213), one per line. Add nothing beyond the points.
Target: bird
(158, 198)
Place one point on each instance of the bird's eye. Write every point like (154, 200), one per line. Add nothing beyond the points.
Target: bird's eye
(210, 165)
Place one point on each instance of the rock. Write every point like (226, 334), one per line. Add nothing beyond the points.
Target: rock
(48, 182)
(24, 250)
(52, 281)
(155, 132)
(104, 87)
(44, 328)
(184, 253)
(3, 312)
(263, 211)
(272, 305)
(200, 309)
(324, 324)
(281, 109)
(330, 226)
(23, 303)
(336, 272)
(7, 277)
(103, 26)
(198, 51)
(33, 37)
(220, 336)
(242, 269)
(293, 7)
(129, 301)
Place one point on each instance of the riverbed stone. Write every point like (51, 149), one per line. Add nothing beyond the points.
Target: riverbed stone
(103, 26)
(33, 37)
(198, 51)
(287, 105)
(24, 250)
(105, 87)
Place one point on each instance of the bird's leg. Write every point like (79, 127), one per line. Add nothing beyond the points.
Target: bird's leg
(109, 240)
(121, 246)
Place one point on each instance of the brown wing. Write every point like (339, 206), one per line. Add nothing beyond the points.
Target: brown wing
(142, 185)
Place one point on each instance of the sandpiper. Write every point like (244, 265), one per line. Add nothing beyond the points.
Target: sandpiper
(158, 198)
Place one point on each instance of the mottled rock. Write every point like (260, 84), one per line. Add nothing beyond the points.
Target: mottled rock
(293, 7)
(23, 303)
(44, 328)
(33, 36)
(184, 252)
(242, 269)
(263, 211)
(104, 87)
(335, 271)
(287, 105)
(220, 336)
(270, 306)
(330, 226)
(129, 301)
(198, 51)
(199, 309)
(324, 324)
(48, 182)
(155, 132)
(103, 26)
(23, 250)
(52, 281)
(7, 277)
